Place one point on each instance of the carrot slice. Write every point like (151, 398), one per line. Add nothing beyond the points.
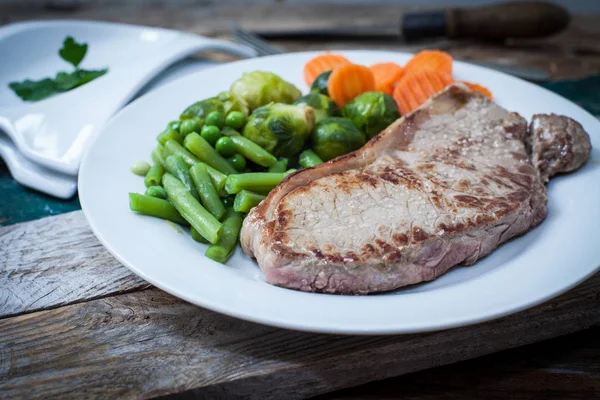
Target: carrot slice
(386, 75)
(432, 59)
(478, 88)
(321, 63)
(348, 81)
(415, 89)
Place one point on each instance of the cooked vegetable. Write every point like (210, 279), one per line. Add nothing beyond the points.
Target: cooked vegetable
(158, 155)
(348, 81)
(222, 250)
(175, 125)
(320, 84)
(156, 191)
(154, 207)
(246, 200)
(322, 63)
(279, 166)
(197, 237)
(261, 182)
(178, 168)
(154, 175)
(238, 162)
(73, 53)
(202, 108)
(386, 75)
(429, 59)
(169, 134)
(174, 148)
(235, 119)
(322, 105)
(309, 158)
(191, 210)
(232, 103)
(140, 168)
(188, 126)
(225, 146)
(415, 89)
(229, 132)
(478, 88)
(252, 151)
(199, 147)
(228, 201)
(334, 137)
(258, 88)
(371, 112)
(207, 191)
(280, 129)
(215, 118)
(211, 134)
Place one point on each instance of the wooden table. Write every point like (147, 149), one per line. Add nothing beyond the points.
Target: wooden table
(74, 323)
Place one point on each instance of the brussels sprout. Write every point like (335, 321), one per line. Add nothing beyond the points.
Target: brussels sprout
(372, 112)
(281, 129)
(258, 88)
(324, 107)
(202, 108)
(320, 84)
(334, 137)
(232, 103)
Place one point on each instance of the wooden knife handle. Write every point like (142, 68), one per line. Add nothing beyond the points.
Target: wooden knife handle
(502, 21)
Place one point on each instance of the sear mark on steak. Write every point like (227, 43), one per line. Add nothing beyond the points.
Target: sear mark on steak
(444, 185)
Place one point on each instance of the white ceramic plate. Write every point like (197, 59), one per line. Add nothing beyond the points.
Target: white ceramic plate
(529, 270)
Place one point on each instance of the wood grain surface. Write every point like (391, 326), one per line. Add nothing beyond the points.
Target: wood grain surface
(149, 343)
(56, 261)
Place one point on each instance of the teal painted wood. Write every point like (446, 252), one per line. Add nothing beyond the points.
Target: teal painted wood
(19, 204)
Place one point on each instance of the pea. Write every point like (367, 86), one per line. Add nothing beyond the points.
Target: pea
(235, 119)
(215, 118)
(225, 146)
(190, 125)
(228, 201)
(141, 168)
(211, 134)
(173, 125)
(238, 162)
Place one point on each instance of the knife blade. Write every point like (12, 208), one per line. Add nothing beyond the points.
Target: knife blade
(498, 22)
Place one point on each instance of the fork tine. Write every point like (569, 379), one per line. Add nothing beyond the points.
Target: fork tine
(260, 45)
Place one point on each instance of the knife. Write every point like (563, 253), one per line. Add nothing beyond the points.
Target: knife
(497, 22)
(263, 48)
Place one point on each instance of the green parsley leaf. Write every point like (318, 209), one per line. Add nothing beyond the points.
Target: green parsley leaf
(38, 90)
(73, 52)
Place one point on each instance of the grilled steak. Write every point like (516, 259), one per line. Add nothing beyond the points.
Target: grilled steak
(444, 185)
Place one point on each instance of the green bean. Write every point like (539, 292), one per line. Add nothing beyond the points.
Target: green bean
(309, 158)
(191, 125)
(290, 171)
(218, 178)
(279, 166)
(169, 134)
(156, 191)
(154, 175)
(207, 191)
(191, 210)
(253, 152)
(154, 207)
(261, 182)
(140, 168)
(158, 155)
(229, 132)
(224, 247)
(178, 168)
(198, 237)
(206, 153)
(174, 148)
(245, 200)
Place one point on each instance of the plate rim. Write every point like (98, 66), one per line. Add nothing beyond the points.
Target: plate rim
(332, 329)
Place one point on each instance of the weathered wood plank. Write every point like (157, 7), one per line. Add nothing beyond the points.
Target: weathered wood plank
(574, 53)
(562, 368)
(55, 261)
(148, 343)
